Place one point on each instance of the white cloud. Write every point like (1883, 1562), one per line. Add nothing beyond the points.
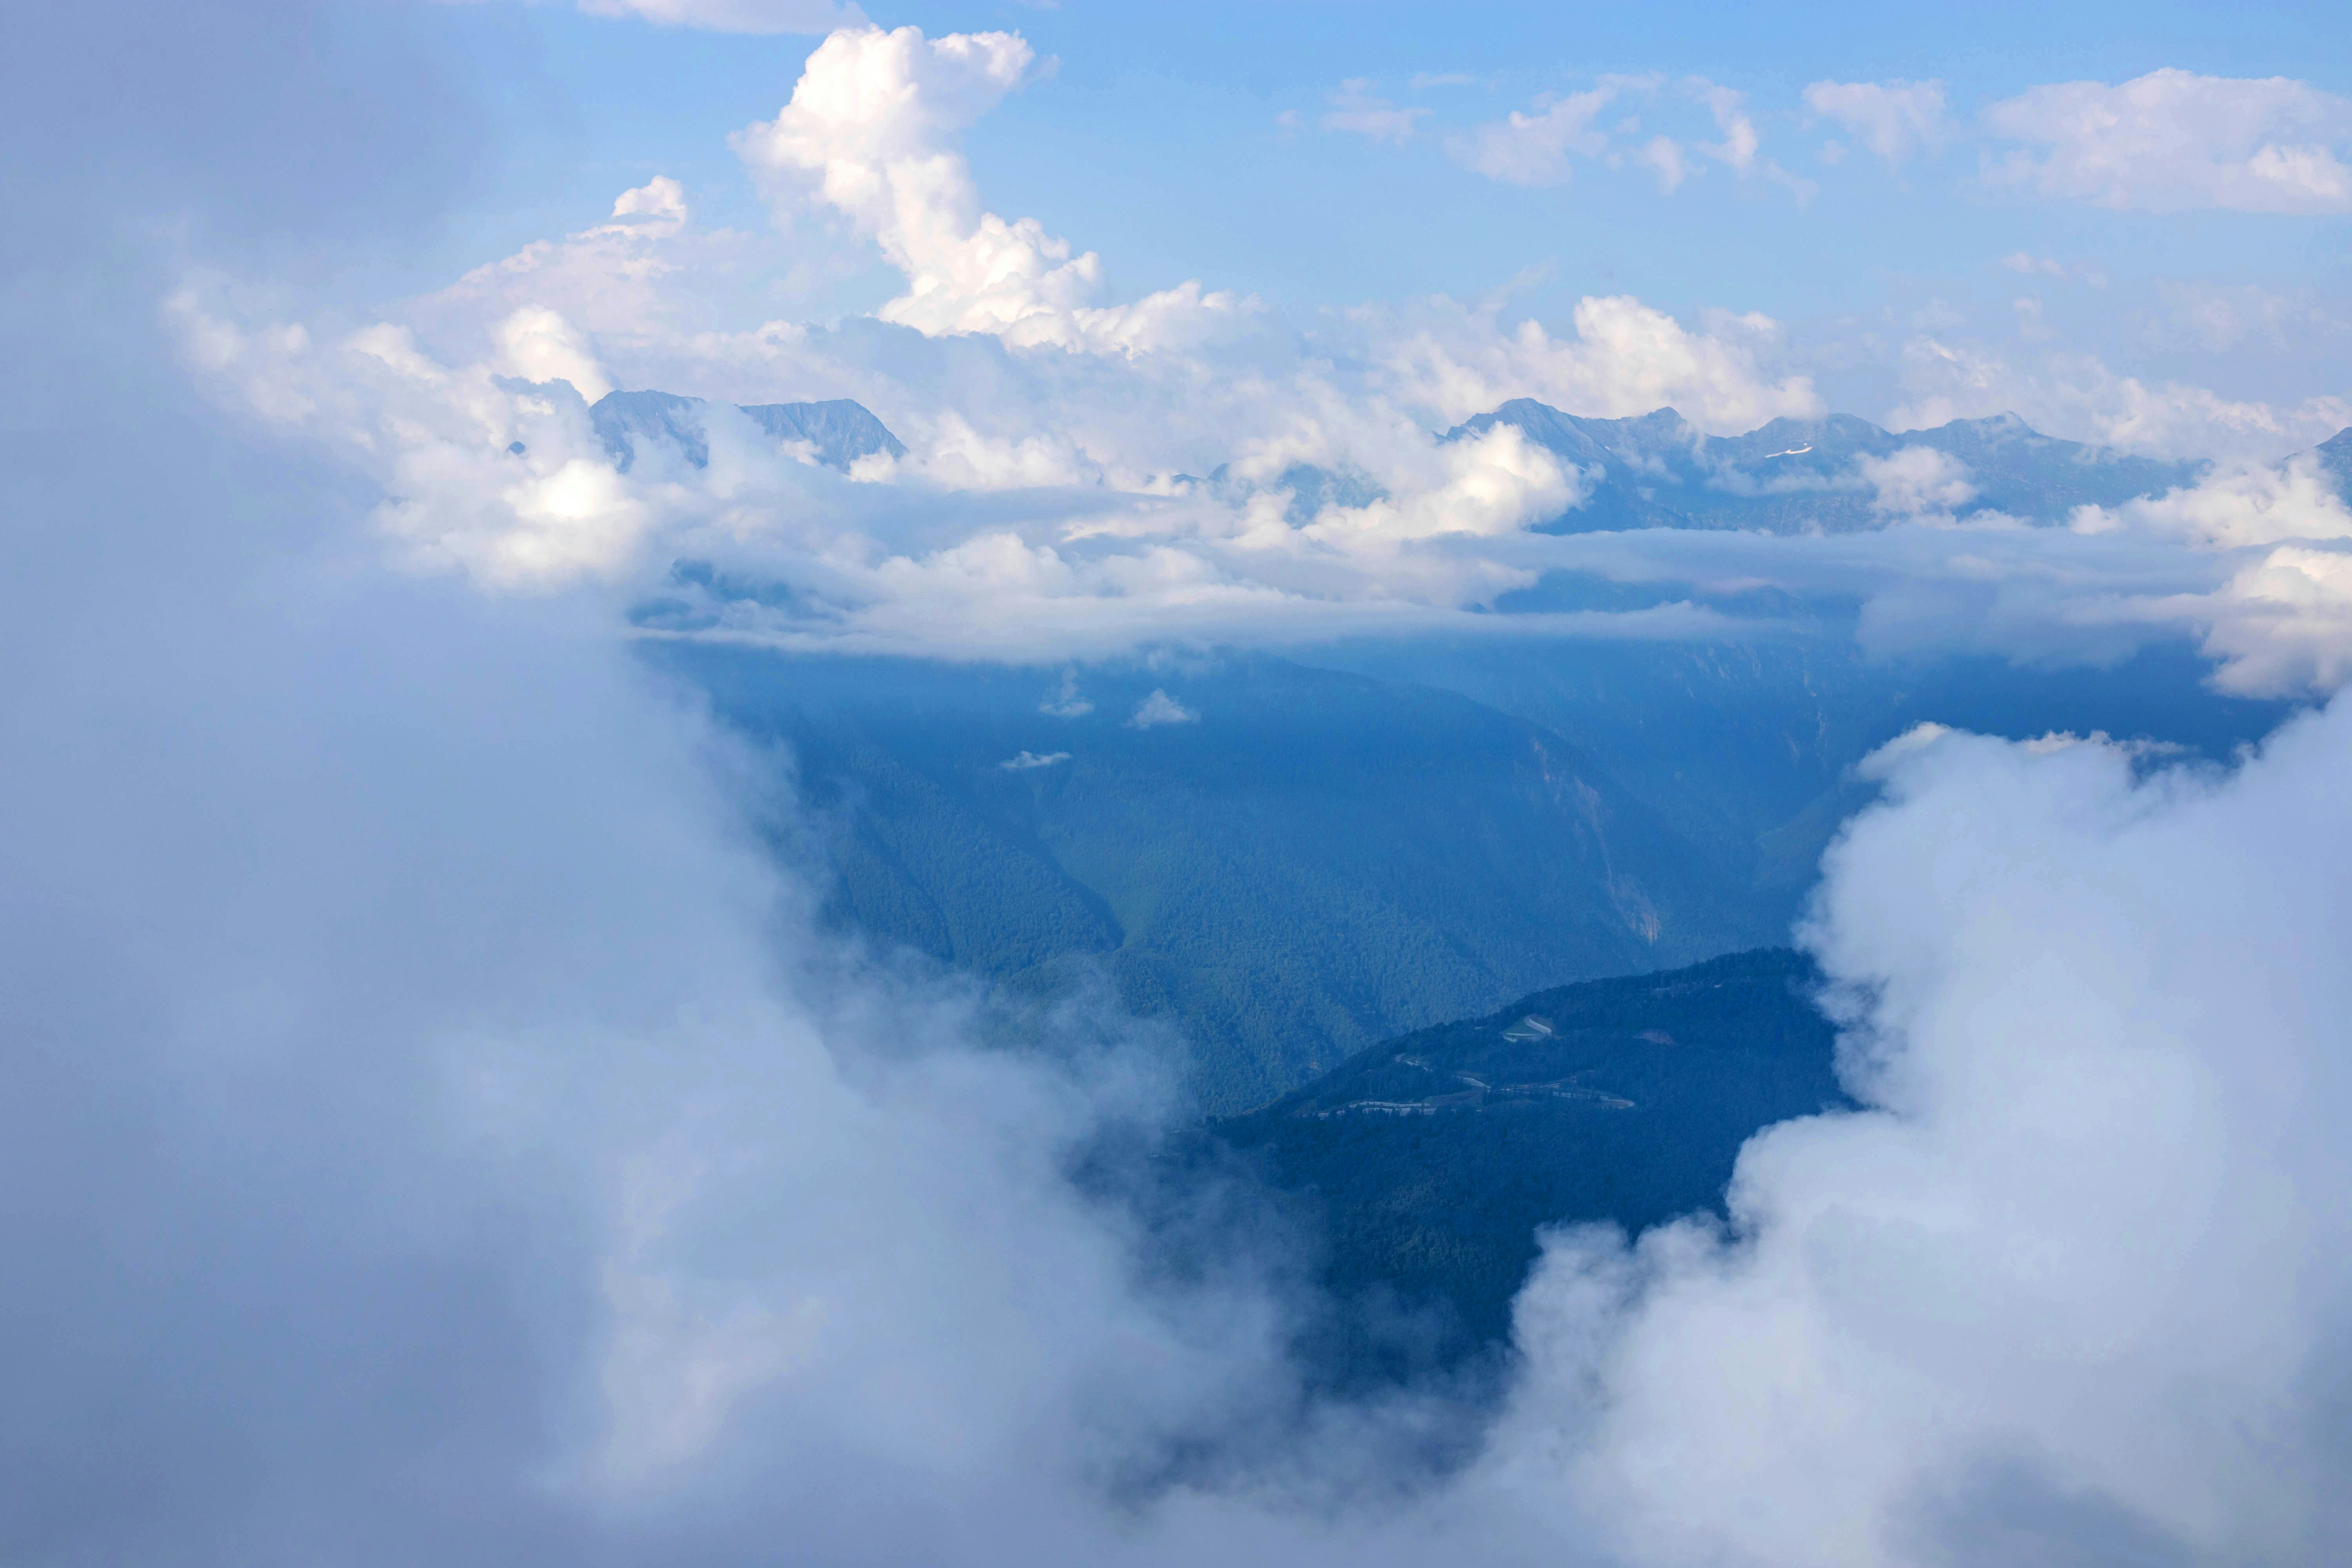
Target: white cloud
(314, 891)
(1732, 122)
(638, 285)
(734, 16)
(1354, 108)
(1896, 119)
(1021, 762)
(2282, 627)
(1663, 155)
(1917, 482)
(538, 344)
(872, 132)
(1541, 147)
(504, 479)
(1538, 148)
(658, 205)
(1969, 1324)
(2173, 141)
(1626, 358)
(2235, 505)
(949, 450)
(2079, 397)
(731, 1255)
(1064, 701)
(1161, 709)
(1739, 147)
(1495, 483)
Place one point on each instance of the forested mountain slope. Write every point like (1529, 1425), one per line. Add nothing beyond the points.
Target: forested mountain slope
(1288, 862)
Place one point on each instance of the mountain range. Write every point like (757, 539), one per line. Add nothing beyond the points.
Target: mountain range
(836, 433)
(1836, 474)
(1819, 475)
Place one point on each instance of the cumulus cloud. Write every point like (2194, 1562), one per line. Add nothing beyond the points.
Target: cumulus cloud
(486, 469)
(2081, 397)
(1896, 119)
(1161, 709)
(1021, 762)
(538, 344)
(872, 132)
(2283, 626)
(1968, 1324)
(1917, 481)
(2173, 141)
(1495, 483)
(2282, 623)
(1626, 358)
(2236, 505)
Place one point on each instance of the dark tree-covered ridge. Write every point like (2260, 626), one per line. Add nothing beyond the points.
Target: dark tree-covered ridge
(1429, 1162)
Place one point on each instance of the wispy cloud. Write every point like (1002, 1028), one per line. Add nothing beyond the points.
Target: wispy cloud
(1356, 108)
(2173, 141)
(1897, 120)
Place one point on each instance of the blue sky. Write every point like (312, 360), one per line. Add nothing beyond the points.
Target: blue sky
(1157, 141)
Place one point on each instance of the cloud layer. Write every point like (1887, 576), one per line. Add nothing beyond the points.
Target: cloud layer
(2074, 1289)
(434, 1130)
(431, 1128)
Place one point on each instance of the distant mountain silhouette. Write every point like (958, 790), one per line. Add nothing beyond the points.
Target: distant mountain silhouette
(841, 431)
(1796, 476)
(2334, 455)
